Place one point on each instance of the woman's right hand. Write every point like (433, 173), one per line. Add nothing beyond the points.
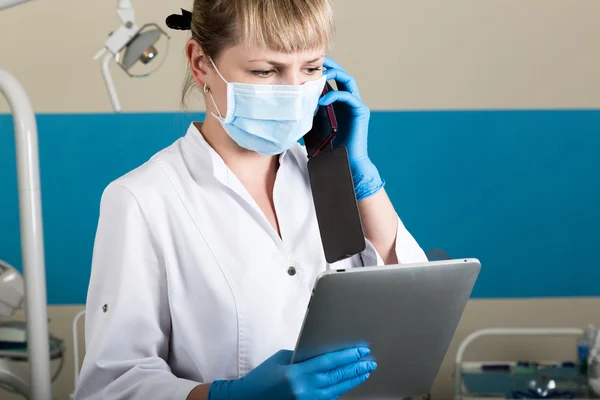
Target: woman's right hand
(325, 377)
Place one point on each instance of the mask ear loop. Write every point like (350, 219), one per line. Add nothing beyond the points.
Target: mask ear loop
(217, 69)
(207, 91)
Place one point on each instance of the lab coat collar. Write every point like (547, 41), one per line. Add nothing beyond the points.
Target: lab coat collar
(210, 159)
(214, 161)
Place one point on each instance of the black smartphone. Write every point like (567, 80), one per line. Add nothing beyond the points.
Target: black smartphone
(324, 128)
(331, 183)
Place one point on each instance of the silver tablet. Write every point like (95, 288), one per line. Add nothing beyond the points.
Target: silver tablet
(406, 314)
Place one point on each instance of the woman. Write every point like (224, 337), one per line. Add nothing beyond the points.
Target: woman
(205, 256)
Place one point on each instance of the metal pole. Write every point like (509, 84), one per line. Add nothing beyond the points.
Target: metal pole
(110, 85)
(32, 241)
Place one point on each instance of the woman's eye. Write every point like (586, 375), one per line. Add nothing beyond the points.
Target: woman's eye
(264, 73)
(311, 71)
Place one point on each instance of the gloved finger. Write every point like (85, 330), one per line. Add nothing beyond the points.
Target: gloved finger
(283, 357)
(344, 80)
(342, 388)
(331, 63)
(330, 361)
(348, 98)
(345, 373)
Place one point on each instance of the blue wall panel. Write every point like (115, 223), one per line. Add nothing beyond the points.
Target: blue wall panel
(518, 189)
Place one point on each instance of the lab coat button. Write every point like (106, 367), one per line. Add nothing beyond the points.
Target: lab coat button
(292, 271)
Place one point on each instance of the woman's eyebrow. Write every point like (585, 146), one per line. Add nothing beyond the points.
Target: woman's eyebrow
(315, 60)
(274, 63)
(280, 64)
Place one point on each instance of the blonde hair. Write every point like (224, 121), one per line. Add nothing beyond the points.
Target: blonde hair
(281, 25)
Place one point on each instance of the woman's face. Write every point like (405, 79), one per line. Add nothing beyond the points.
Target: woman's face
(264, 67)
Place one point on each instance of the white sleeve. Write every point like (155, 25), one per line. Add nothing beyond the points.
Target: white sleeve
(128, 321)
(407, 250)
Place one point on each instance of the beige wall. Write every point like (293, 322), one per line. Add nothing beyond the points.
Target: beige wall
(405, 54)
(420, 54)
(479, 314)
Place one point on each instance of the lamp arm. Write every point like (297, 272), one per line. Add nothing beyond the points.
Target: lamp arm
(110, 85)
(124, 4)
(126, 13)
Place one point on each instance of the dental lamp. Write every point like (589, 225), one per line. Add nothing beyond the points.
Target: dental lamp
(32, 238)
(139, 51)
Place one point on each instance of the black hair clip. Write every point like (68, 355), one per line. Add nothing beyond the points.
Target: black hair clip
(181, 22)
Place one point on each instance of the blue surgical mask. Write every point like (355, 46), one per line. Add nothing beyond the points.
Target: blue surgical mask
(269, 119)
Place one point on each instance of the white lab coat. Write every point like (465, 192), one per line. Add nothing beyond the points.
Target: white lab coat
(190, 282)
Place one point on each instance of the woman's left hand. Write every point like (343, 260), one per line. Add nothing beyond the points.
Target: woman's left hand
(353, 128)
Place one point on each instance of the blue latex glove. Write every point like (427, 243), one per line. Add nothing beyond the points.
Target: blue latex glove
(324, 377)
(353, 128)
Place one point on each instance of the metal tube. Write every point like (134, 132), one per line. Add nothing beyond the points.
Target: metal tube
(110, 85)
(32, 242)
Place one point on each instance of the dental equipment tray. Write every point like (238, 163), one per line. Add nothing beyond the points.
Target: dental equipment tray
(13, 342)
(495, 380)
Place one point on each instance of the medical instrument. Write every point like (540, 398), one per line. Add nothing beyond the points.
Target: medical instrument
(133, 48)
(353, 121)
(585, 343)
(496, 367)
(594, 360)
(407, 314)
(522, 379)
(32, 240)
(328, 376)
(14, 377)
